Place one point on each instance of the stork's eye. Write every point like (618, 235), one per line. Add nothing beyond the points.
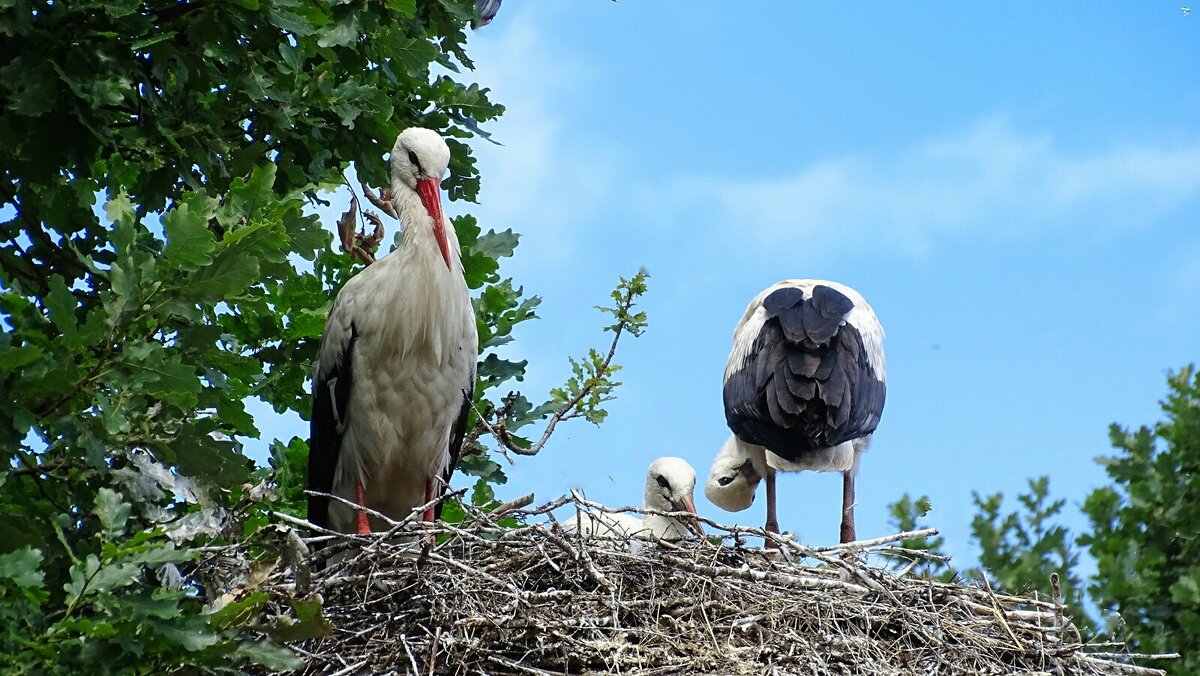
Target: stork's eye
(412, 157)
(725, 480)
(662, 481)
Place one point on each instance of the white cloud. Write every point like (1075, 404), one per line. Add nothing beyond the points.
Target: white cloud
(542, 180)
(989, 177)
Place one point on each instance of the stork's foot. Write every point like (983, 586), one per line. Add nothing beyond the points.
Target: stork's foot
(848, 534)
(773, 528)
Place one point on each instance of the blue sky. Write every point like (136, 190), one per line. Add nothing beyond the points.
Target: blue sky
(1016, 192)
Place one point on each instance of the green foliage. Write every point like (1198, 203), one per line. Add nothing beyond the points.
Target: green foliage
(1020, 550)
(124, 607)
(906, 515)
(1144, 528)
(590, 384)
(160, 264)
(1142, 535)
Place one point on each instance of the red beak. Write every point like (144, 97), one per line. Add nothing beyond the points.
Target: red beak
(430, 192)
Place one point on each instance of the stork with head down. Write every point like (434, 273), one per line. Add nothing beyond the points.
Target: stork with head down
(395, 374)
(804, 389)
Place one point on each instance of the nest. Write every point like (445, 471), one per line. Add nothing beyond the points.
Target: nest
(518, 595)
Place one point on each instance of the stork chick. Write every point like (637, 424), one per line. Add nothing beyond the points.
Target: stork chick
(670, 483)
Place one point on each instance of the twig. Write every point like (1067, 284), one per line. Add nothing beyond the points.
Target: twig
(350, 669)
(1000, 615)
(43, 468)
(863, 545)
(1120, 666)
(379, 201)
(412, 659)
(567, 410)
(1135, 656)
(516, 503)
(433, 646)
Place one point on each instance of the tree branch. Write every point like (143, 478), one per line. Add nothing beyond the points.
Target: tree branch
(570, 408)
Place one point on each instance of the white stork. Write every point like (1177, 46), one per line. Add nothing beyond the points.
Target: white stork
(396, 370)
(804, 389)
(669, 485)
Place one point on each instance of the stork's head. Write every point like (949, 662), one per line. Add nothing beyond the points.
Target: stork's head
(735, 474)
(419, 160)
(669, 486)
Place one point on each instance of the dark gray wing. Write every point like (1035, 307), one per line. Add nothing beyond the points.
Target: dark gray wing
(807, 383)
(331, 394)
(457, 435)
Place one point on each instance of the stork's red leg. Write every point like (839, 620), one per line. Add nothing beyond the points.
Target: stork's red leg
(848, 534)
(772, 521)
(428, 499)
(360, 496)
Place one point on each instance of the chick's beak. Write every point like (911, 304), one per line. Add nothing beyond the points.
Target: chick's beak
(686, 504)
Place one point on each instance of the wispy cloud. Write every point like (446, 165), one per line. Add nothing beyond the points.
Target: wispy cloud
(989, 177)
(539, 182)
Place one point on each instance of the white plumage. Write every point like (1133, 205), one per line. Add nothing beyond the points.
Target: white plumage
(669, 485)
(804, 388)
(396, 369)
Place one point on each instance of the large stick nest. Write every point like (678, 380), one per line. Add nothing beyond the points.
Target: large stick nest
(529, 598)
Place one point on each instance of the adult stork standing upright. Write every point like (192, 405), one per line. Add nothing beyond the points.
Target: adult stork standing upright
(804, 389)
(396, 369)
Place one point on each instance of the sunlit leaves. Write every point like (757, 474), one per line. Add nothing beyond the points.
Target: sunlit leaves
(22, 567)
(479, 465)
(626, 319)
(907, 515)
(1144, 534)
(414, 54)
(112, 511)
(1021, 549)
(143, 324)
(113, 612)
(190, 243)
(341, 34)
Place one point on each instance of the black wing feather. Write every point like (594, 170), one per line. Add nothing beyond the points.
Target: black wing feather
(325, 437)
(457, 435)
(807, 384)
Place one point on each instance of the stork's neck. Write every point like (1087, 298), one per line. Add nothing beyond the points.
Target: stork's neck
(664, 527)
